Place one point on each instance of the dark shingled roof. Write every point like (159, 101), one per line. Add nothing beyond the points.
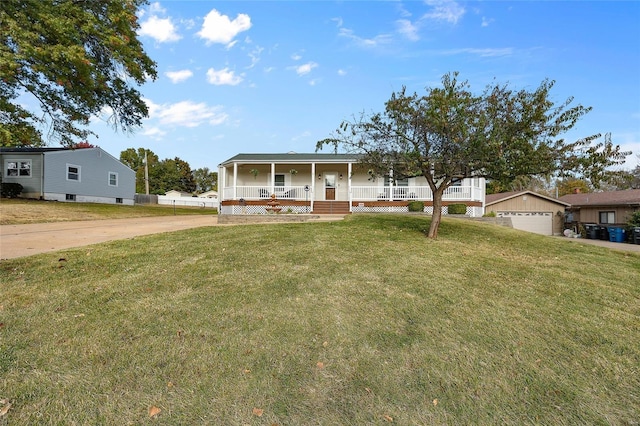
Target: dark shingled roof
(31, 149)
(630, 197)
(292, 157)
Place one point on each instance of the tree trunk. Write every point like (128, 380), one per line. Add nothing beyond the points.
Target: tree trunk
(437, 213)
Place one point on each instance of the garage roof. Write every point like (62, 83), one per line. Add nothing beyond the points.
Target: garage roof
(503, 196)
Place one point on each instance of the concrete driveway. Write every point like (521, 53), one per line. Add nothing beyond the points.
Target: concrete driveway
(27, 240)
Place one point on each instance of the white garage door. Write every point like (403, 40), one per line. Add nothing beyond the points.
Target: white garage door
(538, 222)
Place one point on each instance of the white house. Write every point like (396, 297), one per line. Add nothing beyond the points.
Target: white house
(328, 183)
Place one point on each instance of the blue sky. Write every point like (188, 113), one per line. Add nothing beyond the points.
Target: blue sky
(277, 76)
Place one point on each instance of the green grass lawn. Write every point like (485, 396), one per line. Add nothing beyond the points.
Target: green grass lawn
(19, 211)
(362, 321)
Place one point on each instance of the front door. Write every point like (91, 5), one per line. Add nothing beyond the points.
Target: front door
(329, 186)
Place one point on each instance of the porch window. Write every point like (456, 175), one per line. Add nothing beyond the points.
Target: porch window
(19, 168)
(607, 217)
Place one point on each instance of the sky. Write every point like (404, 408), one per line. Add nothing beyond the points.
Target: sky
(277, 76)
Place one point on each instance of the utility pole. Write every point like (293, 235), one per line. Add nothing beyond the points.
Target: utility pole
(146, 173)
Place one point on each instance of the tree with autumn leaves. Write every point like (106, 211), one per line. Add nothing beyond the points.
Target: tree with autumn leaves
(63, 62)
(451, 134)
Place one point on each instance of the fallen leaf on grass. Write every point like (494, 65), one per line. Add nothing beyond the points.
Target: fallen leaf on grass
(78, 315)
(4, 410)
(388, 418)
(154, 411)
(320, 365)
(258, 412)
(435, 401)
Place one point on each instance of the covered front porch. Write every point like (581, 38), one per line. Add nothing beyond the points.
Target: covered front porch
(313, 183)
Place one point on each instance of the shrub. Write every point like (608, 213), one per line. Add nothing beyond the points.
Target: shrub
(457, 209)
(634, 220)
(10, 189)
(416, 206)
(490, 214)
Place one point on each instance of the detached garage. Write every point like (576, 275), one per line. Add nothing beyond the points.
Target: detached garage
(529, 211)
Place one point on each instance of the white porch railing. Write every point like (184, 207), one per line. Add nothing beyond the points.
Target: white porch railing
(399, 193)
(263, 192)
(359, 193)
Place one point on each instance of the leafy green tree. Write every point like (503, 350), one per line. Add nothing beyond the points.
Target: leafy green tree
(572, 185)
(450, 134)
(171, 174)
(134, 159)
(205, 179)
(74, 60)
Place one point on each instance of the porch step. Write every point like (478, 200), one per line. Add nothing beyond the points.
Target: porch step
(330, 207)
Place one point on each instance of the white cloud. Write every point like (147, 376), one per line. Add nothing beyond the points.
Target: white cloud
(254, 55)
(485, 53)
(223, 77)
(184, 114)
(305, 68)
(153, 132)
(161, 30)
(302, 135)
(342, 72)
(365, 42)
(178, 76)
(156, 8)
(444, 10)
(296, 57)
(486, 22)
(218, 28)
(408, 29)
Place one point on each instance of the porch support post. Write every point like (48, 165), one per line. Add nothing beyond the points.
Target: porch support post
(313, 185)
(349, 165)
(222, 179)
(235, 181)
(273, 178)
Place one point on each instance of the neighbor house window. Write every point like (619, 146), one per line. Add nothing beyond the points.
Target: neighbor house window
(113, 179)
(19, 168)
(607, 217)
(70, 197)
(118, 200)
(73, 172)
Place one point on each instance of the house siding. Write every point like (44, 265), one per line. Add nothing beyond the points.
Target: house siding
(31, 186)
(93, 185)
(592, 214)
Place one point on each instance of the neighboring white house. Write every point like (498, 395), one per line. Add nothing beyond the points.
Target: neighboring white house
(209, 194)
(89, 175)
(177, 194)
(328, 183)
(179, 198)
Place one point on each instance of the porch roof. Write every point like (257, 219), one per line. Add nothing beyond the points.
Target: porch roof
(291, 157)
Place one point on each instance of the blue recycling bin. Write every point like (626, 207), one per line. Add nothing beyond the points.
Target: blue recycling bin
(616, 234)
